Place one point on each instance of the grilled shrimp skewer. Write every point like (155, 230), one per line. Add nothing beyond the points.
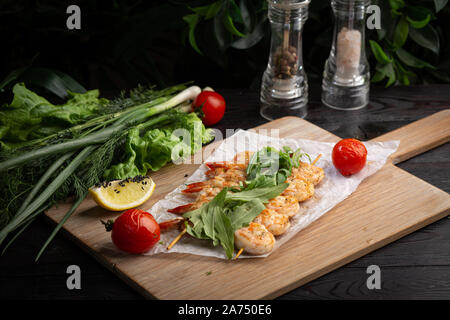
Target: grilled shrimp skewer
(254, 239)
(259, 237)
(299, 188)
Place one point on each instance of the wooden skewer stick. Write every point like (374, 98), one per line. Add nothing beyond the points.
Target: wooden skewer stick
(176, 239)
(239, 253)
(317, 159)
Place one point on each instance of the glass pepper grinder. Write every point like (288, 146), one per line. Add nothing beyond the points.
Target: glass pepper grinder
(346, 77)
(284, 88)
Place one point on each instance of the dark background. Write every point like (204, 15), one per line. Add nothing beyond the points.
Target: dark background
(120, 44)
(124, 43)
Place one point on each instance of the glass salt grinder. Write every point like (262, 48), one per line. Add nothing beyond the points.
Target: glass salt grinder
(284, 88)
(345, 84)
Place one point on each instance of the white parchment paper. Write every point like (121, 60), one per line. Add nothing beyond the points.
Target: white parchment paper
(333, 189)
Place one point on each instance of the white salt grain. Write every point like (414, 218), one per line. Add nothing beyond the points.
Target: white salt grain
(348, 53)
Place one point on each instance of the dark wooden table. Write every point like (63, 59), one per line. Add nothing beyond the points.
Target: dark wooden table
(414, 267)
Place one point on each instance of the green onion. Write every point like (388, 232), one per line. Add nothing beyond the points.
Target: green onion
(24, 225)
(44, 179)
(60, 224)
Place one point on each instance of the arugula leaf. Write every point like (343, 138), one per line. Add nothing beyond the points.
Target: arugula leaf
(212, 221)
(227, 212)
(224, 232)
(212, 215)
(298, 155)
(260, 182)
(195, 228)
(242, 215)
(275, 166)
(262, 194)
(268, 167)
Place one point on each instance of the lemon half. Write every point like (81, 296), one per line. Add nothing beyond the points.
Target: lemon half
(118, 195)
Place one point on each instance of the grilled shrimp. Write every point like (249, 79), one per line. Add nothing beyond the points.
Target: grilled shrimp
(299, 188)
(234, 171)
(176, 223)
(235, 175)
(309, 172)
(228, 175)
(286, 205)
(206, 195)
(212, 172)
(243, 158)
(254, 239)
(221, 174)
(219, 182)
(276, 223)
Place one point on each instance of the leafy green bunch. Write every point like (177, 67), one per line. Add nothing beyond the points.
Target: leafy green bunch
(85, 137)
(406, 31)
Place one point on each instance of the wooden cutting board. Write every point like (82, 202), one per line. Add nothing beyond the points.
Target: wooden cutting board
(385, 207)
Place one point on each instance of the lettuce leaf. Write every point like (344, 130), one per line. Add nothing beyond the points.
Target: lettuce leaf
(30, 116)
(184, 136)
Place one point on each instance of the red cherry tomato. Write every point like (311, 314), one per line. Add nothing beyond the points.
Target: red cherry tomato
(135, 231)
(212, 105)
(349, 156)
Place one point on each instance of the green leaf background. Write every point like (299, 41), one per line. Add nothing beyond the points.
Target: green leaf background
(409, 48)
